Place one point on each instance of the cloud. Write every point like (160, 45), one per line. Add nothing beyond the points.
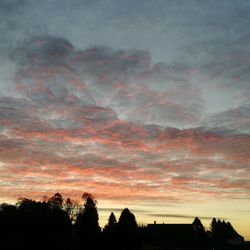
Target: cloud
(114, 123)
(108, 209)
(172, 165)
(51, 69)
(237, 119)
(183, 216)
(43, 51)
(138, 90)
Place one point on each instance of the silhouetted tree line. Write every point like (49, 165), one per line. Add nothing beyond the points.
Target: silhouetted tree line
(222, 232)
(65, 224)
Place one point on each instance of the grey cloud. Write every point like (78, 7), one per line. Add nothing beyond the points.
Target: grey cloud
(18, 113)
(115, 65)
(50, 69)
(57, 57)
(238, 120)
(224, 69)
(95, 161)
(137, 90)
(109, 209)
(183, 216)
(56, 84)
(42, 51)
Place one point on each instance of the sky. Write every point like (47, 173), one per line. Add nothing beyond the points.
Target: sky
(144, 104)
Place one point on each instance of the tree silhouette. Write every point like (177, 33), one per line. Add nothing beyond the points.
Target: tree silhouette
(45, 222)
(127, 230)
(222, 232)
(213, 227)
(197, 225)
(110, 232)
(8, 226)
(60, 228)
(70, 207)
(56, 201)
(111, 226)
(87, 228)
(199, 232)
(127, 221)
(112, 221)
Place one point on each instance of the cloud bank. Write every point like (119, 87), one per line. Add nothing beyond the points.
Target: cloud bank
(113, 122)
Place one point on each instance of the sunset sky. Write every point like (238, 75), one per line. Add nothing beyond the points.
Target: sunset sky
(143, 103)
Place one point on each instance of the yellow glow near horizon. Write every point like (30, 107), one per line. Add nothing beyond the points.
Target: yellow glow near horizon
(237, 214)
